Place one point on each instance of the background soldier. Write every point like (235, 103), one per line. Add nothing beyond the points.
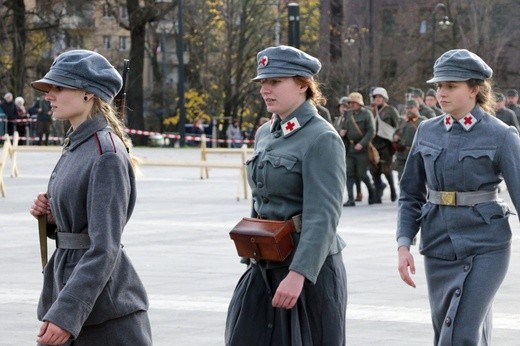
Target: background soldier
(404, 135)
(387, 121)
(431, 101)
(512, 102)
(503, 113)
(424, 110)
(358, 129)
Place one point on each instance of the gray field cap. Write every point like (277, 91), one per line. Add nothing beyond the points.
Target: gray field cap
(459, 65)
(85, 70)
(285, 61)
(512, 92)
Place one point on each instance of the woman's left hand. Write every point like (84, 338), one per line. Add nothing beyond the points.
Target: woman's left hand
(288, 291)
(51, 334)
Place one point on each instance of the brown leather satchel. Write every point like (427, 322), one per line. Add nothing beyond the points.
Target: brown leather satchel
(269, 240)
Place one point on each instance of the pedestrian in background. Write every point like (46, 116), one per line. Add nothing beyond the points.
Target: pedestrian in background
(11, 114)
(91, 293)
(297, 170)
(449, 192)
(424, 110)
(42, 109)
(22, 124)
(234, 135)
(503, 113)
(430, 99)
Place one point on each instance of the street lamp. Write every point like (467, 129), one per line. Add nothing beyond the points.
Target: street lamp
(443, 23)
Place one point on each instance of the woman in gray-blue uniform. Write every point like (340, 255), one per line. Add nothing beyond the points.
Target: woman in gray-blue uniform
(298, 167)
(91, 293)
(449, 191)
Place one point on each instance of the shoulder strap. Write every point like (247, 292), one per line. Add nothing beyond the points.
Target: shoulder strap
(105, 141)
(356, 125)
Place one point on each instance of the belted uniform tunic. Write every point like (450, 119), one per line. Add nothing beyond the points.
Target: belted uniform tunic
(298, 167)
(92, 192)
(462, 244)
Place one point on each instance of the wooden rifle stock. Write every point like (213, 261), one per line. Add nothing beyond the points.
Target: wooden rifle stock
(120, 99)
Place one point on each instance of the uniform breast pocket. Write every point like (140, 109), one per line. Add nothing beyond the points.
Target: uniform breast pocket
(477, 165)
(283, 174)
(250, 167)
(429, 153)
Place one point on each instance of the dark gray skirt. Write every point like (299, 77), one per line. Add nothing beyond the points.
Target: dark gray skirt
(318, 318)
(461, 294)
(133, 329)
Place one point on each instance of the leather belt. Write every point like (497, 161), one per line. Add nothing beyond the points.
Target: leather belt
(297, 220)
(454, 199)
(72, 241)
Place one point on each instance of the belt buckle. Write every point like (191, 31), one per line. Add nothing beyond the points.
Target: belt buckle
(448, 198)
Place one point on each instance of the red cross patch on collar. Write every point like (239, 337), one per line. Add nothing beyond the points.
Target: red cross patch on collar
(290, 126)
(448, 122)
(468, 121)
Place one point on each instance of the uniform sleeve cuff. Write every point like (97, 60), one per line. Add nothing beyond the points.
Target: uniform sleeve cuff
(404, 241)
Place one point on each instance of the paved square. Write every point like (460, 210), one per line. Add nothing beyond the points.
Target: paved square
(178, 240)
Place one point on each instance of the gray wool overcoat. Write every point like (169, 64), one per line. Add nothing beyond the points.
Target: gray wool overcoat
(91, 190)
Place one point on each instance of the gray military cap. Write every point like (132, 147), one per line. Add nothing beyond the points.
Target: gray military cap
(344, 100)
(459, 65)
(418, 93)
(431, 92)
(84, 70)
(499, 97)
(411, 103)
(285, 61)
(512, 92)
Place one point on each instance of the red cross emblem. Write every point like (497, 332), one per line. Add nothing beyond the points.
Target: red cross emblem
(263, 61)
(448, 120)
(290, 126)
(468, 120)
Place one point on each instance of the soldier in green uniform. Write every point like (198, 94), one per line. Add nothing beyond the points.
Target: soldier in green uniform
(431, 101)
(424, 110)
(387, 121)
(358, 129)
(503, 113)
(405, 133)
(512, 102)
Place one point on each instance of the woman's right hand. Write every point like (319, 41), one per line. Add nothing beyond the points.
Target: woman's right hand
(40, 205)
(406, 265)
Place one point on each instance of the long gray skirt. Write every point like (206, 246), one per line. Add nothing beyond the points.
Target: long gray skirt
(461, 294)
(318, 318)
(133, 329)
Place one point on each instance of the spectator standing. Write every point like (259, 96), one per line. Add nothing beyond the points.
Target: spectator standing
(22, 125)
(43, 111)
(449, 192)
(234, 135)
(10, 112)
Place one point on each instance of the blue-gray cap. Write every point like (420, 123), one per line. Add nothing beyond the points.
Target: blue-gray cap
(285, 61)
(459, 65)
(85, 70)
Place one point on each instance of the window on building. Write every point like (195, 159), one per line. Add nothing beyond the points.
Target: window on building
(106, 11)
(123, 43)
(107, 42)
(123, 12)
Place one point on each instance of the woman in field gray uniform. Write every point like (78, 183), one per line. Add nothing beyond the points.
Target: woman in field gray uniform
(449, 191)
(91, 293)
(298, 167)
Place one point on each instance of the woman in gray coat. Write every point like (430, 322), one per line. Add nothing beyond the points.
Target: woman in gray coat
(296, 171)
(449, 192)
(91, 293)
